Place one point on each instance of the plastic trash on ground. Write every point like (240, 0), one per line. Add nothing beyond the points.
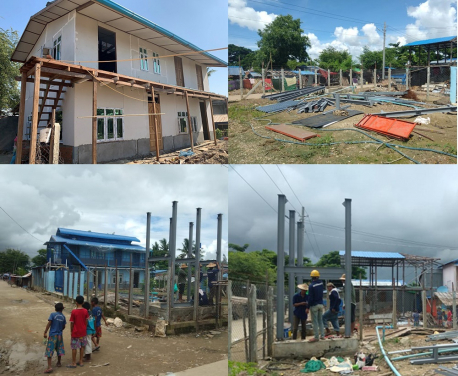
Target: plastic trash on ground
(117, 322)
(422, 120)
(313, 365)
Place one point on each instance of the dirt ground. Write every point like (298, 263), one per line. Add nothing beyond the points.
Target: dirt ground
(293, 367)
(245, 147)
(23, 318)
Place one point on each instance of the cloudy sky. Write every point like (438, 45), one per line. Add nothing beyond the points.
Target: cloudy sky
(346, 25)
(110, 199)
(412, 203)
(204, 26)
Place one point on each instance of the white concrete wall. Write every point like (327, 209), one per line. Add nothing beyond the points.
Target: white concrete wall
(449, 275)
(128, 47)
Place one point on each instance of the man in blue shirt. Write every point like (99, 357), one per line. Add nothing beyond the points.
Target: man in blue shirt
(315, 305)
(300, 314)
(212, 277)
(332, 314)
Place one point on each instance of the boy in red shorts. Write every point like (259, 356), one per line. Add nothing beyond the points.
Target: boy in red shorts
(56, 324)
(98, 315)
(78, 324)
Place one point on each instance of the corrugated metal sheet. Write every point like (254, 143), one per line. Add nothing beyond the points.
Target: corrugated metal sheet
(277, 106)
(90, 234)
(127, 247)
(445, 297)
(366, 254)
(233, 70)
(430, 41)
(220, 118)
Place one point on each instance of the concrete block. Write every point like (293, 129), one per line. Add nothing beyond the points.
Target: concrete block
(306, 350)
(143, 147)
(168, 144)
(181, 141)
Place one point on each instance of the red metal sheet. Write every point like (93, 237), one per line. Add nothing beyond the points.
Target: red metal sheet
(390, 127)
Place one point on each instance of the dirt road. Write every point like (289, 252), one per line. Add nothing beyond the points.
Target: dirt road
(23, 318)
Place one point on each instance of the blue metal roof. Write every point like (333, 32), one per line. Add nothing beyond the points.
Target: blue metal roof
(90, 234)
(305, 73)
(430, 41)
(233, 70)
(102, 245)
(365, 254)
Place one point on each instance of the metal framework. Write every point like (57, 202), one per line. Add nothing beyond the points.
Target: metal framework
(416, 112)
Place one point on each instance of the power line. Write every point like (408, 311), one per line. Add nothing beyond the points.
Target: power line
(277, 186)
(41, 241)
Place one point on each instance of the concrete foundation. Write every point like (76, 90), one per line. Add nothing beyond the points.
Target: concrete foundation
(306, 350)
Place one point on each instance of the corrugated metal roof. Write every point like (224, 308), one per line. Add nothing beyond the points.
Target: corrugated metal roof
(233, 70)
(115, 16)
(90, 234)
(430, 41)
(255, 74)
(304, 73)
(127, 247)
(366, 254)
(445, 297)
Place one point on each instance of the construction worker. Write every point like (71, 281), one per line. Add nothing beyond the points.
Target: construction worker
(353, 304)
(315, 305)
(332, 314)
(300, 306)
(212, 277)
(182, 277)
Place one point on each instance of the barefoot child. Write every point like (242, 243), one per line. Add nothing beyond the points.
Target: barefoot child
(56, 323)
(78, 324)
(90, 330)
(98, 315)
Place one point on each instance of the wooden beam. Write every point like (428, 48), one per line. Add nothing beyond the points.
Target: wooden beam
(213, 120)
(60, 72)
(53, 136)
(84, 6)
(45, 82)
(155, 125)
(33, 70)
(36, 98)
(189, 122)
(20, 127)
(94, 122)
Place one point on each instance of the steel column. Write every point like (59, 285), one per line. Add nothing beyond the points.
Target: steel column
(190, 240)
(147, 276)
(197, 271)
(173, 247)
(347, 205)
(280, 266)
(292, 235)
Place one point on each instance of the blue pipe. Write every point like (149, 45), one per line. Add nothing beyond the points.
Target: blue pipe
(387, 360)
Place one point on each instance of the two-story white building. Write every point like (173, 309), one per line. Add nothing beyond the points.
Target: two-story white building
(103, 70)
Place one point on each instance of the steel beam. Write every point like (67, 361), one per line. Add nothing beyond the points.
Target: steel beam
(325, 273)
(422, 111)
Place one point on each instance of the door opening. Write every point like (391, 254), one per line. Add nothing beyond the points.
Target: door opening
(107, 50)
(203, 114)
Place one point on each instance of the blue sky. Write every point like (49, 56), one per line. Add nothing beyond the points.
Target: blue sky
(346, 24)
(202, 23)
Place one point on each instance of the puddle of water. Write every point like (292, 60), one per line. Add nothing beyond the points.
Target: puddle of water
(20, 355)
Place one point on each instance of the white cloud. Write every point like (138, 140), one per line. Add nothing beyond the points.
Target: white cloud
(239, 13)
(433, 19)
(370, 31)
(347, 36)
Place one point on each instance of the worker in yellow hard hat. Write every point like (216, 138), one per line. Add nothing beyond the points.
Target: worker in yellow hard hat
(315, 305)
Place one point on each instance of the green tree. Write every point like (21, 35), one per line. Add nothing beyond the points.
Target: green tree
(332, 259)
(9, 89)
(283, 40)
(245, 54)
(238, 248)
(40, 259)
(210, 71)
(243, 266)
(333, 59)
(160, 249)
(12, 259)
(184, 249)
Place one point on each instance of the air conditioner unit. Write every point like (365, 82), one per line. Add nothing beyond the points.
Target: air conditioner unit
(46, 51)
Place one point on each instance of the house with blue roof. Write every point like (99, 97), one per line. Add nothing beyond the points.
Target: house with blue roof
(87, 250)
(96, 64)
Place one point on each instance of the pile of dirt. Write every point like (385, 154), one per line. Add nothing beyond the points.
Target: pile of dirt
(410, 95)
(207, 153)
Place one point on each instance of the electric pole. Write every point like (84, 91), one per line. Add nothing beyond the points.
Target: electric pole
(384, 37)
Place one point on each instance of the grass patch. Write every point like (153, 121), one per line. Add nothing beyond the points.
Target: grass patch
(235, 368)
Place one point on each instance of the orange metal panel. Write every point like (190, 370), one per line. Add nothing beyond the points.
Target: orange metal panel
(390, 127)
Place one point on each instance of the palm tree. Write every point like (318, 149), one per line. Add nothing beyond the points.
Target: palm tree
(210, 71)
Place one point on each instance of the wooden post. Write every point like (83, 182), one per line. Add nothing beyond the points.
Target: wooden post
(362, 78)
(213, 120)
(20, 127)
(453, 305)
(361, 308)
(423, 298)
(241, 81)
(116, 286)
(375, 77)
(245, 337)
(340, 77)
(88, 288)
(252, 325)
(34, 130)
(263, 74)
(229, 319)
(270, 320)
(407, 79)
(282, 80)
(428, 79)
(68, 283)
(105, 288)
(94, 121)
(389, 79)
(96, 280)
(316, 77)
(395, 316)
(155, 123)
(189, 122)
(78, 287)
(351, 77)
(300, 79)
(53, 136)
(131, 292)
(329, 78)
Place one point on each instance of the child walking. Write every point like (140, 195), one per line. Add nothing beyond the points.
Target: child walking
(56, 324)
(90, 331)
(98, 315)
(78, 324)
